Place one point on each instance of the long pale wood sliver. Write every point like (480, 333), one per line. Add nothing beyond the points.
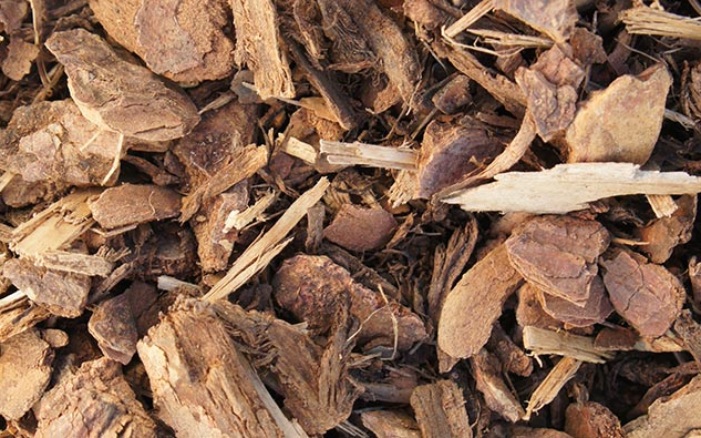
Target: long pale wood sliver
(570, 187)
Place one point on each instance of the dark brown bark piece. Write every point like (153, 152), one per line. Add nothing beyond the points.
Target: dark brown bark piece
(131, 204)
(664, 234)
(648, 296)
(314, 380)
(596, 309)
(112, 324)
(440, 410)
(63, 294)
(559, 254)
(453, 95)
(118, 95)
(202, 385)
(258, 46)
(52, 141)
(486, 369)
(95, 401)
(513, 358)
(395, 52)
(531, 313)
(590, 420)
(449, 151)
(310, 286)
(390, 424)
(25, 367)
(475, 303)
(361, 228)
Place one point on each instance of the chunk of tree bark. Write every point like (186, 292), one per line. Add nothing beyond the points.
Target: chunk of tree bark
(397, 57)
(454, 94)
(361, 228)
(20, 57)
(556, 19)
(94, 401)
(665, 233)
(258, 45)
(314, 380)
(183, 41)
(113, 325)
(591, 419)
(61, 293)
(52, 141)
(449, 151)
(513, 358)
(595, 310)
(550, 85)
(118, 95)
(25, 367)
(390, 424)
(486, 369)
(647, 296)
(310, 287)
(635, 109)
(440, 410)
(12, 14)
(570, 187)
(202, 385)
(473, 305)
(559, 254)
(690, 333)
(530, 312)
(19, 315)
(132, 204)
(674, 416)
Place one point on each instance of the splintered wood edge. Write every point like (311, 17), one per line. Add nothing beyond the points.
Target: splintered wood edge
(259, 253)
(384, 157)
(570, 187)
(541, 341)
(467, 20)
(648, 21)
(240, 219)
(548, 389)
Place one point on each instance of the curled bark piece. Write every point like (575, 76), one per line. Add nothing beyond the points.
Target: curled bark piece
(118, 95)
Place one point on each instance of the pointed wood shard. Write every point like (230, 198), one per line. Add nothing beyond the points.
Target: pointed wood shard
(570, 187)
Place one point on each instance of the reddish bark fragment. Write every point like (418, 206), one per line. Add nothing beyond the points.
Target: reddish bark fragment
(131, 204)
(361, 229)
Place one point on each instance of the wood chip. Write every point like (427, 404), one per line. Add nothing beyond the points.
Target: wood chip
(582, 348)
(25, 367)
(223, 395)
(486, 369)
(97, 387)
(634, 106)
(570, 187)
(131, 204)
(440, 410)
(20, 57)
(673, 416)
(647, 296)
(260, 253)
(361, 229)
(591, 419)
(310, 287)
(62, 293)
(548, 389)
(690, 333)
(117, 95)
(559, 254)
(258, 47)
(473, 305)
(315, 382)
